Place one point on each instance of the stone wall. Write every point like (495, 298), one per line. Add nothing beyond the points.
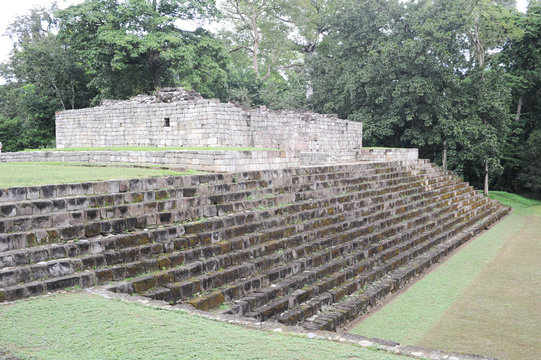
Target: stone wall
(214, 160)
(221, 161)
(194, 121)
(387, 154)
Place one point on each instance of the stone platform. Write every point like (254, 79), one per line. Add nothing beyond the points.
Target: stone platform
(310, 246)
(216, 160)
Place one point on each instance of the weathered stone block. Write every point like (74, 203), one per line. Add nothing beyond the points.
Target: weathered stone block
(15, 293)
(103, 275)
(62, 283)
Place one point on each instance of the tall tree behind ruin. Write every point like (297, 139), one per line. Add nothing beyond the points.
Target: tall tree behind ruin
(392, 66)
(523, 61)
(135, 47)
(42, 76)
(420, 74)
(489, 24)
(269, 41)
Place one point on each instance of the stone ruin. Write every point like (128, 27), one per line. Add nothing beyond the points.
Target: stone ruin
(183, 119)
(180, 118)
(164, 95)
(309, 246)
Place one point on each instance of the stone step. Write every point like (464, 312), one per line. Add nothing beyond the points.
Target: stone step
(82, 279)
(90, 229)
(368, 250)
(446, 235)
(53, 235)
(85, 247)
(286, 256)
(233, 272)
(306, 303)
(93, 246)
(85, 209)
(99, 188)
(154, 264)
(244, 247)
(43, 192)
(339, 314)
(111, 257)
(148, 209)
(88, 278)
(333, 287)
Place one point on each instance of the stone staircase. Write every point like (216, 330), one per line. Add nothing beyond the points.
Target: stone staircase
(312, 246)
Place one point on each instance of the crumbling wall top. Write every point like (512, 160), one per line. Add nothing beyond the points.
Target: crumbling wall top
(164, 95)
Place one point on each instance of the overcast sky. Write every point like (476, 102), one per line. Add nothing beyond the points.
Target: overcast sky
(13, 8)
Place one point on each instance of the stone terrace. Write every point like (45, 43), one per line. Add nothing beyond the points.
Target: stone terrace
(310, 246)
(215, 160)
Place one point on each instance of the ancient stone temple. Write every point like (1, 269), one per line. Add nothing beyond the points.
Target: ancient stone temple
(312, 233)
(175, 117)
(183, 119)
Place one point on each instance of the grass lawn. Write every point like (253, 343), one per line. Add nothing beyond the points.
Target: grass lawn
(520, 204)
(483, 300)
(35, 173)
(85, 326)
(156, 148)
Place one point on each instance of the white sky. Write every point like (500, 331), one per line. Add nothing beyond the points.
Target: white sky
(11, 9)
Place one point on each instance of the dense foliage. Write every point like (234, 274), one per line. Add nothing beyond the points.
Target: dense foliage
(461, 78)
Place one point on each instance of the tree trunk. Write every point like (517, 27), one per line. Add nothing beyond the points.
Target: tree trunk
(155, 69)
(255, 53)
(444, 161)
(255, 59)
(485, 190)
(58, 94)
(156, 79)
(72, 95)
(519, 107)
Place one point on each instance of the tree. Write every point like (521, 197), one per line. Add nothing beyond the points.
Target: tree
(135, 47)
(489, 24)
(260, 29)
(530, 174)
(391, 66)
(420, 74)
(53, 69)
(522, 57)
(39, 58)
(11, 134)
(484, 123)
(269, 42)
(42, 77)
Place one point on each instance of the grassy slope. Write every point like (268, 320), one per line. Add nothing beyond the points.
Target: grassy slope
(83, 326)
(29, 174)
(156, 148)
(498, 313)
(520, 204)
(451, 308)
(408, 317)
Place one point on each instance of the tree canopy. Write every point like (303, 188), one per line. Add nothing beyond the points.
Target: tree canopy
(460, 80)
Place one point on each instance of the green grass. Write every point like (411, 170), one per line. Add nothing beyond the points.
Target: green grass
(498, 313)
(36, 173)
(481, 300)
(84, 326)
(409, 316)
(517, 202)
(156, 148)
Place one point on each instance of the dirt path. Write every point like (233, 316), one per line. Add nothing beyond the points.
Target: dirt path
(499, 313)
(486, 299)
